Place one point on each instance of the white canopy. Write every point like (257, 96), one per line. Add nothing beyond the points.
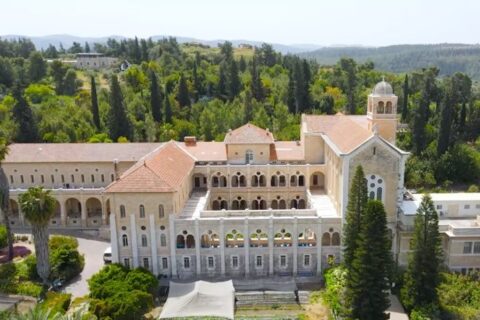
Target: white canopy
(200, 299)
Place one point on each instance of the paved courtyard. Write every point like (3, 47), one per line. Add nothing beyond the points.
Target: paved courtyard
(93, 251)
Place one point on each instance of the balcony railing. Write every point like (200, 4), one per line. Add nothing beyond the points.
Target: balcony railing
(258, 213)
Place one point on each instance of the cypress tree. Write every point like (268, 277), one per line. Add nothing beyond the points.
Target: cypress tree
(168, 108)
(256, 83)
(405, 99)
(234, 83)
(87, 47)
(291, 93)
(422, 276)
(307, 78)
(118, 122)
(37, 68)
(93, 94)
(242, 65)
(137, 55)
(183, 96)
(222, 81)
(446, 119)
(357, 202)
(197, 84)
(419, 123)
(155, 98)
(368, 294)
(299, 87)
(27, 130)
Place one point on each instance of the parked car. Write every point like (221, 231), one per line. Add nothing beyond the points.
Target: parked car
(107, 255)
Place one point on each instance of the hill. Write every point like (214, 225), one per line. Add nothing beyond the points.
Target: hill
(449, 58)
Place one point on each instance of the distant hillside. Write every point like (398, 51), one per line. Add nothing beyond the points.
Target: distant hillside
(67, 40)
(449, 58)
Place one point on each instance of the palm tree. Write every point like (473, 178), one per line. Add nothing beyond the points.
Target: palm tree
(39, 207)
(38, 313)
(4, 198)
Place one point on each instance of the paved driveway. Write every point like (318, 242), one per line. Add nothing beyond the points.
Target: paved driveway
(93, 251)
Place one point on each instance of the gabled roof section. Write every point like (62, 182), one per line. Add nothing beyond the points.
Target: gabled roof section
(205, 151)
(163, 170)
(345, 132)
(249, 134)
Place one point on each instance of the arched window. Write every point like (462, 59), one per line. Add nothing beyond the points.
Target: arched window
(389, 109)
(122, 211)
(335, 239)
(144, 240)
(376, 185)
(274, 204)
(161, 211)
(180, 242)
(249, 156)
(142, 211)
(381, 107)
(301, 181)
(326, 239)
(163, 240)
(190, 242)
(282, 204)
(125, 240)
(293, 181)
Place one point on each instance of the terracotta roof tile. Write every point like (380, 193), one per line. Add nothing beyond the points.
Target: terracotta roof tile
(289, 151)
(206, 151)
(249, 134)
(162, 170)
(346, 132)
(77, 152)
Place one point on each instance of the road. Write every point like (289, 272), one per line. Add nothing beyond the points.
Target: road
(93, 251)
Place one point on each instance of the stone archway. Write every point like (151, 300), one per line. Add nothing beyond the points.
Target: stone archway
(73, 209)
(199, 182)
(317, 180)
(56, 220)
(94, 212)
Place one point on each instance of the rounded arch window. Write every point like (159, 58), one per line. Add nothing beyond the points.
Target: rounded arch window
(381, 107)
(376, 187)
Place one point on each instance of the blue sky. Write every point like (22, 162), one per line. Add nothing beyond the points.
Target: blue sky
(332, 22)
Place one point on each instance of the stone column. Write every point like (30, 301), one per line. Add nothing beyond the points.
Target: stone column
(114, 239)
(173, 247)
(104, 213)
(222, 247)
(295, 246)
(246, 236)
(84, 212)
(270, 245)
(198, 263)
(63, 214)
(153, 240)
(134, 244)
(319, 247)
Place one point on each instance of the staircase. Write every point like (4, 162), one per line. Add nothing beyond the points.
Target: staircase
(194, 205)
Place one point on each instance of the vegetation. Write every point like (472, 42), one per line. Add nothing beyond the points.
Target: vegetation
(422, 276)
(3, 236)
(120, 293)
(39, 207)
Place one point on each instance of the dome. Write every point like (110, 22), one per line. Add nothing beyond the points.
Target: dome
(382, 88)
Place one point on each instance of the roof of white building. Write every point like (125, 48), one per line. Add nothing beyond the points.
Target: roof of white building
(409, 207)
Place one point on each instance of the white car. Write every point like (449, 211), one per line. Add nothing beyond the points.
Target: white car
(107, 255)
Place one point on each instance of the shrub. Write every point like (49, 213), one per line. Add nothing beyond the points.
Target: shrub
(108, 273)
(66, 263)
(57, 302)
(142, 279)
(56, 242)
(3, 236)
(335, 282)
(28, 288)
(473, 188)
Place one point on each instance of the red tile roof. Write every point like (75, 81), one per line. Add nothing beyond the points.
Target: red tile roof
(77, 152)
(249, 134)
(206, 151)
(288, 151)
(162, 170)
(346, 132)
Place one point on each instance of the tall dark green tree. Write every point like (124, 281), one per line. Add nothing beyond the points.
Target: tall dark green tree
(357, 202)
(70, 82)
(155, 98)
(37, 67)
(446, 121)
(242, 64)
(327, 104)
(346, 70)
(197, 83)
(183, 95)
(291, 93)
(118, 123)
(93, 94)
(419, 140)
(137, 54)
(222, 81)
(87, 47)
(405, 99)
(422, 276)
(368, 292)
(168, 108)
(27, 130)
(234, 84)
(256, 86)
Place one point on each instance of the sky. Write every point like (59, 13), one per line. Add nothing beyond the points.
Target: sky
(321, 22)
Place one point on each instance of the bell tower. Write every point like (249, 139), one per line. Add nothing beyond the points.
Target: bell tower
(382, 111)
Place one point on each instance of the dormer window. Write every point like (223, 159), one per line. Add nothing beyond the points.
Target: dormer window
(249, 156)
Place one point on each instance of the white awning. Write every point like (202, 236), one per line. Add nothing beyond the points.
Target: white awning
(200, 299)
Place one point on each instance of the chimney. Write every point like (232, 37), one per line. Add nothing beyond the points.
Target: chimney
(190, 141)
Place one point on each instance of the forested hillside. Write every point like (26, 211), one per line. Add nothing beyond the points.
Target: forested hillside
(448, 58)
(172, 90)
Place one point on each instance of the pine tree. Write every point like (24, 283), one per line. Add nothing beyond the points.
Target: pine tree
(242, 65)
(144, 50)
(168, 108)
(37, 68)
(422, 276)
(234, 84)
(137, 55)
(118, 123)
(405, 99)
(183, 96)
(155, 98)
(256, 86)
(357, 202)
(27, 130)
(367, 293)
(93, 94)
